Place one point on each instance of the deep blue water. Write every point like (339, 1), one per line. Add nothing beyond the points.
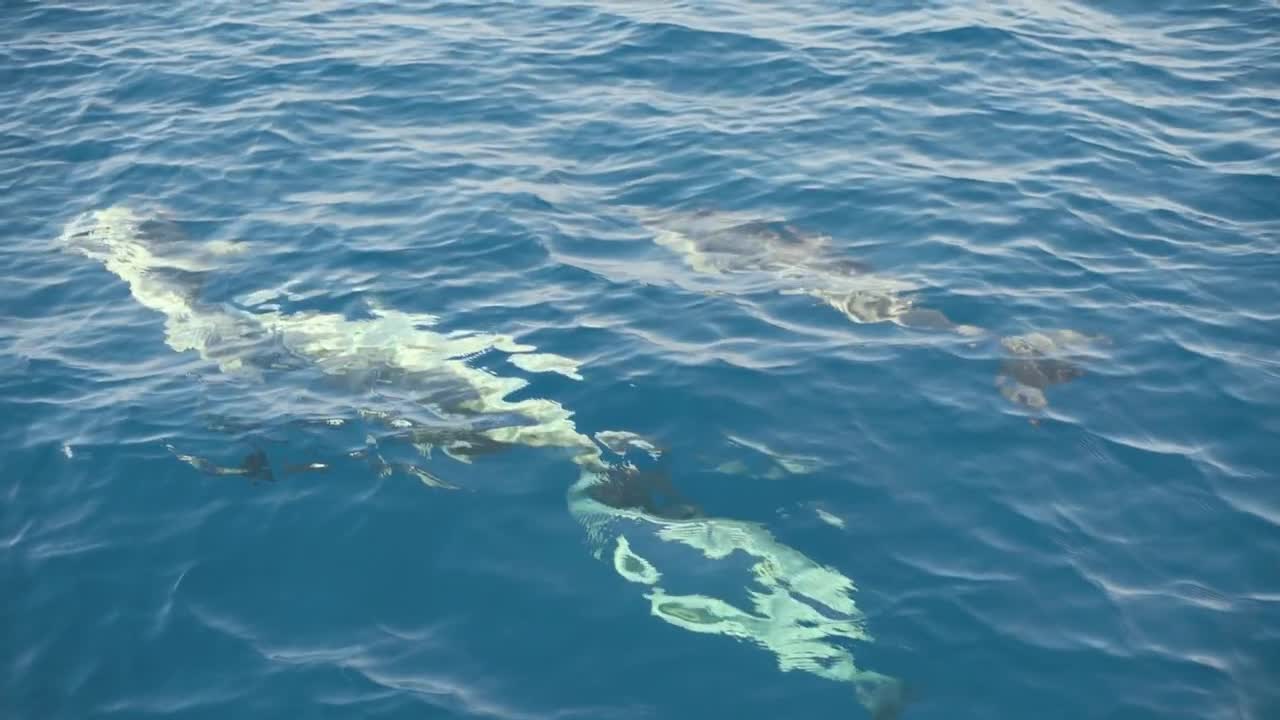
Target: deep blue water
(1109, 168)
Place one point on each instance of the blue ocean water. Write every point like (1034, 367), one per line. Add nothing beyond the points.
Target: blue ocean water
(212, 506)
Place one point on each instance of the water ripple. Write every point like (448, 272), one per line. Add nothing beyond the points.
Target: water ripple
(508, 170)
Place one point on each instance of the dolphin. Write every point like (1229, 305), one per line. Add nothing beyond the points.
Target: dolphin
(686, 561)
(1037, 360)
(625, 487)
(693, 568)
(744, 253)
(741, 253)
(389, 349)
(254, 466)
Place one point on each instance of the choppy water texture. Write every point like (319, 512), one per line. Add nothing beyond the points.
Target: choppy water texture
(640, 360)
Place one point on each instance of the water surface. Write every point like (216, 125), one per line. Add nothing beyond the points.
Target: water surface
(495, 177)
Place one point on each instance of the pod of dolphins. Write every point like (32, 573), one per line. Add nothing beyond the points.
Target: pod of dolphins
(430, 396)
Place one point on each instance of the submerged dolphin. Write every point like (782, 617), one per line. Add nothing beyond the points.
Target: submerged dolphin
(1038, 360)
(688, 564)
(799, 610)
(745, 253)
(750, 252)
(391, 348)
